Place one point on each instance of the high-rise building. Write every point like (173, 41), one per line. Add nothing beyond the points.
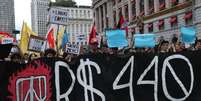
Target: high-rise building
(39, 13)
(78, 25)
(162, 17)
(7, 16)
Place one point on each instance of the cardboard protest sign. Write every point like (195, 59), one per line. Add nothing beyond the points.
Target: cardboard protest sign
(36, 44)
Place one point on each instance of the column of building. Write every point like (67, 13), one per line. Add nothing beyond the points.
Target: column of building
(110, 13)
(146, 10)
(100, 21)
(104, 16)
(167, 3)
(137, 5)
(96, 18)
(157, 5)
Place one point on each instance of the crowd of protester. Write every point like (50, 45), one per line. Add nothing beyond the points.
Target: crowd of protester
(163, 47)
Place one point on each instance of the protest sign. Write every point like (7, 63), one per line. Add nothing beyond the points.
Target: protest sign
(188, 34)
(116, 38)
(7, 40)
(58, 16)
(72, 48)
(36, 44)
(144, 40)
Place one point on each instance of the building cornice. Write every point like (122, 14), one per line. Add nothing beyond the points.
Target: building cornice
(169, 10)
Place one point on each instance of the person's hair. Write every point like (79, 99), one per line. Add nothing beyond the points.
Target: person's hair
(199, 40)
(50, 51)
(164, 42)
(15, 56)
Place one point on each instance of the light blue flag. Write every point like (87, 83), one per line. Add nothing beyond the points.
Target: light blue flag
(144, 40)
(116, 38)
(64, 39)
(188, 34)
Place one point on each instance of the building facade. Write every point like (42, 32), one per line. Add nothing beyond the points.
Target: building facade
(7, 16)
(39, 13)
(162, 17)
(78, 25)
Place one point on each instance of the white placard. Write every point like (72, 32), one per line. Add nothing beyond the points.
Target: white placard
(58, 16)
(36, 44)
(71, 48)
(7, 40)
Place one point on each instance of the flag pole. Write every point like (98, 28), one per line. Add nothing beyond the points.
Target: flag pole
(57, 47)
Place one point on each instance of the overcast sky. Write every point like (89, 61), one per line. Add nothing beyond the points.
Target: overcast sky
(23, 11)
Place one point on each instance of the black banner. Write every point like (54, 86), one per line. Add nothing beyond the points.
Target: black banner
(102, 77)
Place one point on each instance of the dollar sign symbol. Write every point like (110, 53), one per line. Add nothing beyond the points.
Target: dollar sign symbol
(82, 71)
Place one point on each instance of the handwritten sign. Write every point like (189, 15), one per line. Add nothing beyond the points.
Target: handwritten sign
(71, 48)
(58, 16)
(36, 44)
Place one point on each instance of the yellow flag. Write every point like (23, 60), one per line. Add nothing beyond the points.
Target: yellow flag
(26, 32)
(60, 36)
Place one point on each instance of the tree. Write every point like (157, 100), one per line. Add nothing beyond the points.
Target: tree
(64, 3)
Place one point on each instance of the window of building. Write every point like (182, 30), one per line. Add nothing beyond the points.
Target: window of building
(89, 15)
(161, 25)
(114, 17)
(174, 2)
(133, 10)
(89, 27)
(80, 13)
(106, 16)
(77, 28)
(114, 2)
(173, 21)
(162, 4)
(151, 6)
(141, 7)
(73, 28)
(85, 28)
(120, 12)
(72, 12)
(81, 29)
(150, 27)
(85, 14)
(126, 13)
(188, 18)
(76, 13)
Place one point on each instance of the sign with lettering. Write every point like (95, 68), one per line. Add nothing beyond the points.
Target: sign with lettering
(7, 40)
(58, 16)
(101, 77)
(72, 48)
(36, 44)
